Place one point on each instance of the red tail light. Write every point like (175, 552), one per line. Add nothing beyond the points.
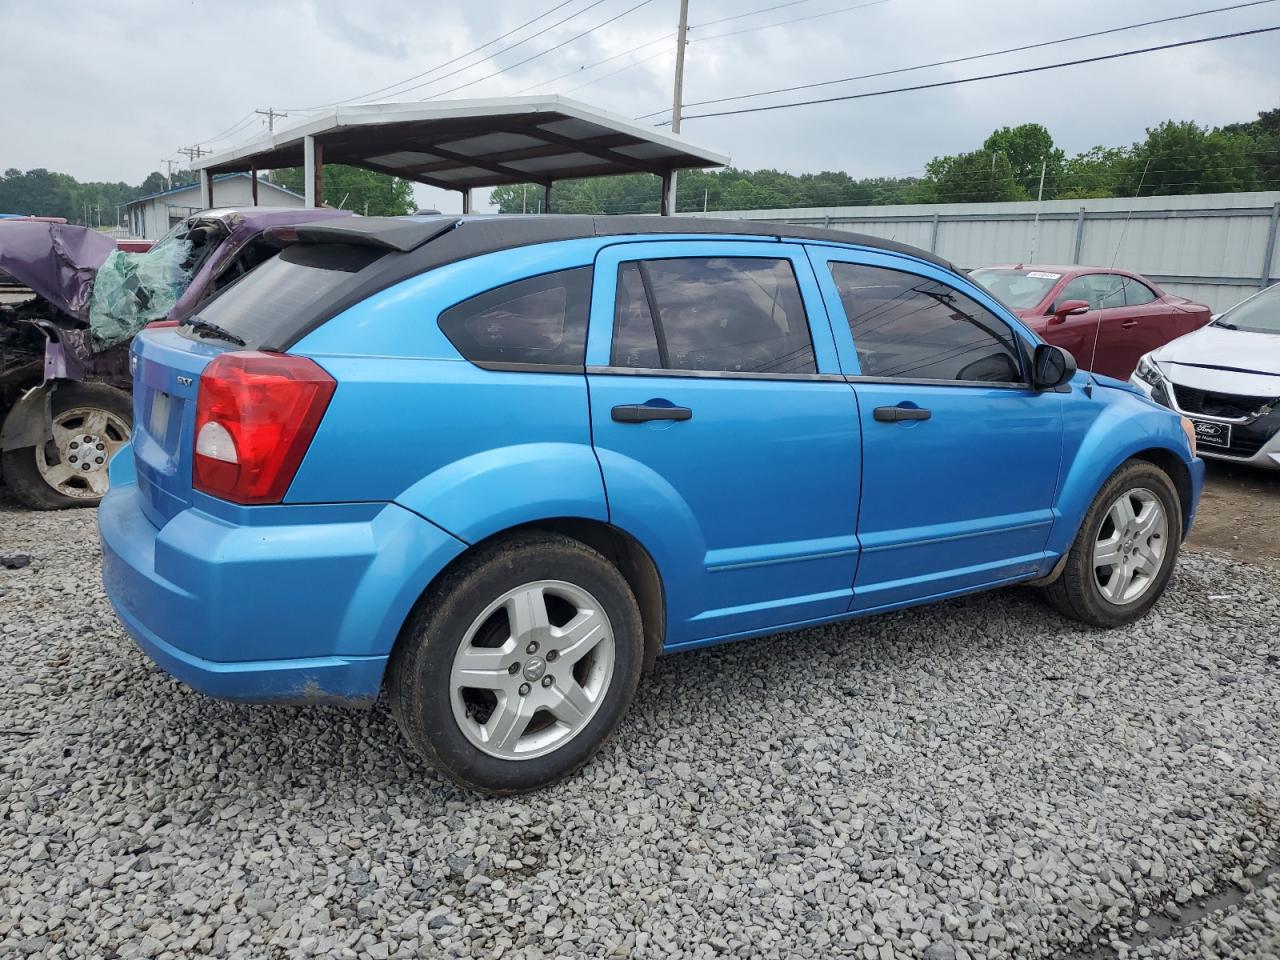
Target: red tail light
(255, 416)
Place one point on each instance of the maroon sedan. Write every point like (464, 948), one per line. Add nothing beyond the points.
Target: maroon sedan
(1106, 318)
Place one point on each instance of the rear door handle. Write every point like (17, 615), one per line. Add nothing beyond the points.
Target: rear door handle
(895, 414)
(646, 413)
(1129, 323)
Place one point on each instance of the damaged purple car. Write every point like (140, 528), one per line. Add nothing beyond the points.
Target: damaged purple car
(70, 302)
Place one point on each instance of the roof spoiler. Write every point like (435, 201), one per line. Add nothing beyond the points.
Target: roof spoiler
(386, 233)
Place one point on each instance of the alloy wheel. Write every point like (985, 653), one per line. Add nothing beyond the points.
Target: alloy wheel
(1130, 546)
(532, 670)
(84, 439)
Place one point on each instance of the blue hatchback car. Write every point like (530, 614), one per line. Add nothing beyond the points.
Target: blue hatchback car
(497, 465)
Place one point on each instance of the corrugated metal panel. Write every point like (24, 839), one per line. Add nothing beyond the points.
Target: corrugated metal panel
(1208, 247)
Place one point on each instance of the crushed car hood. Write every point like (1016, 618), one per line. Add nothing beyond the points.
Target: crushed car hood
(1228, 350)
(57, 260)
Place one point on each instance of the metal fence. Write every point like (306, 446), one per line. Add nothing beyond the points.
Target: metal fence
(1216, 248)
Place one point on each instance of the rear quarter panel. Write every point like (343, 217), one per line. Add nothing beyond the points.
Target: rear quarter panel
(474, 451)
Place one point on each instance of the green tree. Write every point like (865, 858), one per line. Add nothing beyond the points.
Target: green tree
(977, 177)
(1183, 157)
(353, 188)
(1098, 172)
(1026, 147)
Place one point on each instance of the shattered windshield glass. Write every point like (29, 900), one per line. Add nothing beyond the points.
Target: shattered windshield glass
(133, 289)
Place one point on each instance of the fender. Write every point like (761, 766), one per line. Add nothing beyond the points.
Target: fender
(1098, 438)
(495, 490)
(30, 420)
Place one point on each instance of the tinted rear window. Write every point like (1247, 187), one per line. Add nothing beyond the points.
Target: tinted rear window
(264, 306)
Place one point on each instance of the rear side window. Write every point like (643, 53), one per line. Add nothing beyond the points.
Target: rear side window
(913, 328)
(1137, 293)
(540, 320)
(722, 314)
(1100, 290)
(263, 306)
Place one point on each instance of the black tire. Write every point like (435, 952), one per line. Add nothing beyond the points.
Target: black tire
(1077, 593)
(20, 466)
(418, 677)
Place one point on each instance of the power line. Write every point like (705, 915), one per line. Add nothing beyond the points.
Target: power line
(752, 13)
(448, 63)
(989, 76)
(614, 73)
(783, 23)
(600, 63)
(692, 27)
(966, 59)
(563, 43)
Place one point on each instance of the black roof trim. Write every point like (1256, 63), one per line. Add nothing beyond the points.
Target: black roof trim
(453, 239)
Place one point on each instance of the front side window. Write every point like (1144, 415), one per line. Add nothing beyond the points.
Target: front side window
(1099, 290)
(723, 314)
(912, 328)
(540, 320)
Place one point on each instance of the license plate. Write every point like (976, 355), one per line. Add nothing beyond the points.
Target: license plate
(1212, 434)
(158, 419)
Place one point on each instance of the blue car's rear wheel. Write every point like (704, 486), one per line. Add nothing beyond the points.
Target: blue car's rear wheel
(1124, 552)
(519, 664)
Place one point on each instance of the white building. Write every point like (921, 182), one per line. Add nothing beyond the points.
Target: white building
(151, 217)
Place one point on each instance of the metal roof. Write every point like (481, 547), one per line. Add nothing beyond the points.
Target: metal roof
(195, 185)
(460, 144)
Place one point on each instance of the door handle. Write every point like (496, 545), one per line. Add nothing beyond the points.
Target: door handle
(895, 414)
(1128, 323)
(646, 413)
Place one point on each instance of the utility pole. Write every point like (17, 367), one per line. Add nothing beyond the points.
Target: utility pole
(271, 115)
(1035, 233)
(168, 180)
(194, 152)
(678, 95)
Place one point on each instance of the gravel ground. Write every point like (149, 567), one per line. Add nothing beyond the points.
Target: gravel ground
(976, 779)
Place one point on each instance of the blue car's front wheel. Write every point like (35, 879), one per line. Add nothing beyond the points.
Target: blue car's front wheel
(1124, 552)
(518, 665)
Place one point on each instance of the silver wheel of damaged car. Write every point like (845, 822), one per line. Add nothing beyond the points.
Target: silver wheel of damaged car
(84, 440)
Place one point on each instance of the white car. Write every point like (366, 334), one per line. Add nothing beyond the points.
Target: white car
(1226, 378)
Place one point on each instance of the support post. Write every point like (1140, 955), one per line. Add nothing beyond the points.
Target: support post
(933, 234)
(466, 200)
(1265, 279)
(310, 171)
(546, 198)
(677, 103)
(253, 183)
(1075, 258)
(206, 189)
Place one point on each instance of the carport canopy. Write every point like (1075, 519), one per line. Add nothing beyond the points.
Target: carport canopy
(463, 144)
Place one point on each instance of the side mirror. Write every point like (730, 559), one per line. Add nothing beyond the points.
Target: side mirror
(1051, 367)
(1069, 308)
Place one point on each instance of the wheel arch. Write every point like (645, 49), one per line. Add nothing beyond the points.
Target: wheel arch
(1179, 473)
(619, 547)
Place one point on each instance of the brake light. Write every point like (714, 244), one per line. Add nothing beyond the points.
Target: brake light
(255, 416)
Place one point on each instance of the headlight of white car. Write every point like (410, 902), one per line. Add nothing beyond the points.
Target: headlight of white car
(1148, 372)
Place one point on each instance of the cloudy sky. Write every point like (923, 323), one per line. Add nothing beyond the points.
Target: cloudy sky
(107, 91)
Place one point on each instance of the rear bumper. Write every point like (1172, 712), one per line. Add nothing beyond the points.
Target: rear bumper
(298, 603)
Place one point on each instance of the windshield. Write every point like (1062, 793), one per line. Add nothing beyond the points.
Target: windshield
(1259, 314)
(1020, 289)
